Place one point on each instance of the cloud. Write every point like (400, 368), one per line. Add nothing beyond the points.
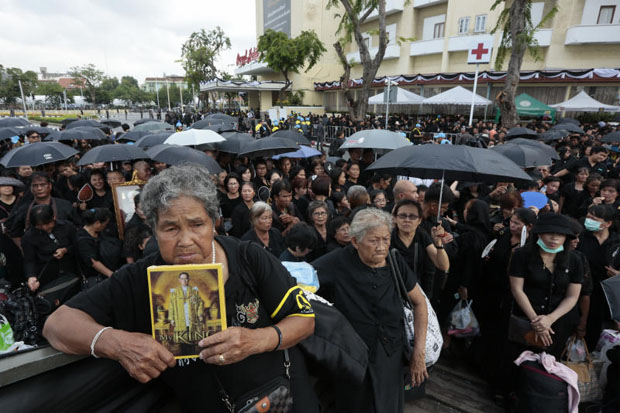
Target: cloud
(138, 38)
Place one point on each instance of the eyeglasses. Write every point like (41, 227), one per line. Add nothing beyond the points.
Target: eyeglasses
(319, 213)
(265, 219)
(411, 217)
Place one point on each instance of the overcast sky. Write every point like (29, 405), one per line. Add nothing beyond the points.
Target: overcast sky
(139, 38)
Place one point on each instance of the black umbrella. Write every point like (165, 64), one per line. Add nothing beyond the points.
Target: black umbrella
(148, 141)
(8, 181)
(220, 127)
(68, 121)
(10, 131)
(112, 153)
(453, 162)
(613, 137)
(293, 136)
(268, 147)
(611, 288)
(176, 155)
(86, 133)
(133, 135)
(521, 132)
(234, 142)
(153, 126)
(86, 123)
(38, 153)
(554, 135)
(41, 130)
(223, 116)
(141, 121)
(14, 122)
(569, 120)
(525, 156)
(548, 150)
(570, 127)
(201, 124)
(111, 123)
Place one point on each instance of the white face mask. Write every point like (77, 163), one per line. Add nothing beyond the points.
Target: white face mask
(592, 225)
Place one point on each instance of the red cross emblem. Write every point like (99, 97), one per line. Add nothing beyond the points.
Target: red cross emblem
(479, 51)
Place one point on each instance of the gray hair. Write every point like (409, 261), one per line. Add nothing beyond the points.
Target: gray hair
(173, 183)
(356, 189)
(258, 209)
(314, 205)
(367, 219)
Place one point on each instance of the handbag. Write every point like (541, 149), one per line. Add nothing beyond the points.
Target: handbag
(589, 386)
(274, 396)
(434, 339)
(520, 332)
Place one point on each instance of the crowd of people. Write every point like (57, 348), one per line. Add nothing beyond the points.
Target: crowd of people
(542, 274)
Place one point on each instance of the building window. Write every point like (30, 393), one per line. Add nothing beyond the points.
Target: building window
(606, 15)
(438, 30)
(481, 23)
(463, 25)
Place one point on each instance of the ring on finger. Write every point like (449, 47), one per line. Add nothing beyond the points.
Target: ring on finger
(221, 359)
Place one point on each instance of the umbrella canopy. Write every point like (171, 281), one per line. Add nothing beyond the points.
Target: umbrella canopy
(569, 127)
(222, 116)
(133, 135)
(176, 155)
(142, 121)
(86, 123)
(201, 124)
(8, 181)
(611, 288)
(303, 152)
(569, 120)
(113, 123)
(268, 147)
(153, 139)
(517, 132)
(234, 142)
(87, 133)
(10, 131)
(14, 122)
(456, 96)
(403, 97)
(525, 156)
(454, 162)
(68, 121)
(375, 139)
(582, 102)
(612, 137)
(112, 153)
(38, 153)
(548, 150)
(293, 136)
(194, 137)
(554, 135)
(41, 130)
(154, 125)
(220, 127)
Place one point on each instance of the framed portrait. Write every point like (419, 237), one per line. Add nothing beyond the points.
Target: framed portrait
(187, 304)
(124, 206)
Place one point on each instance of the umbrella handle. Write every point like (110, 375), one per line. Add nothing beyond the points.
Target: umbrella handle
(443, 172)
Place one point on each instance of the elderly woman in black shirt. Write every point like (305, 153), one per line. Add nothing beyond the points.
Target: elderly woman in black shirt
(358, 281)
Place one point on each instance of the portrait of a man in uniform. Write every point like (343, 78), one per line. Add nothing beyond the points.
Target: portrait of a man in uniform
(185, 311)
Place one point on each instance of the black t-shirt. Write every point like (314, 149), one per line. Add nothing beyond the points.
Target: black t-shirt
(419, 262)
(544, 290)
(599, 168)
(276, 241)
(122, 302)
(39, 248)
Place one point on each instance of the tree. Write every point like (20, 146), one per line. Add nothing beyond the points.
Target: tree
(9, 83)
(106, 91)
(518, 37)
(350, 27)
(129, 91)
(286, 55)
(88, 76)
(198, 55)
(52, 91)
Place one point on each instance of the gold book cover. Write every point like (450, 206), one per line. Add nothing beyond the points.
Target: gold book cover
(187, 305)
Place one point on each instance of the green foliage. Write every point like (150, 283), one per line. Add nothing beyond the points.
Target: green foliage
(286, 55)
(90, 77)
(525, 38)
(292, 99)
(52, 91)
(9, 83)
(199, 52)
(595, 117)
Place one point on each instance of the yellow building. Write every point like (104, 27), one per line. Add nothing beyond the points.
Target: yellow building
(432, 38)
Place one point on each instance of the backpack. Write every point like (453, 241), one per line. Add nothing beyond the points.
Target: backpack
(26, 315)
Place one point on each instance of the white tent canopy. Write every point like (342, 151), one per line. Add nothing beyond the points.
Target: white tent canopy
(582, 102)
(403, 97)
(456, 96)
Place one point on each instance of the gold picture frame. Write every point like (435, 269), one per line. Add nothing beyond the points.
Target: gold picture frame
(124, 206)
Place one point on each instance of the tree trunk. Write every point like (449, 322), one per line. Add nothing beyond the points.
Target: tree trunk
(506, 100)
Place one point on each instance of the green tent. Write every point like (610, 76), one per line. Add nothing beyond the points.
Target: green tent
(527, 106)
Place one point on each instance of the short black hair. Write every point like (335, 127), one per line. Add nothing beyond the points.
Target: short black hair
(41, 214)
(90, 216)
(597, 149)
(433, 192)
(279, 186)
(604, 212)
(40, 174)
(334, 225)
(301, 235)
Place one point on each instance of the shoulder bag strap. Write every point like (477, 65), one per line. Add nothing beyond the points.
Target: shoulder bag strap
(398, 279)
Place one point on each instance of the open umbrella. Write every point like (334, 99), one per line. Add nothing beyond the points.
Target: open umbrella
(303, 152)
(154, 125)
(68, 121)
(201, 124)
(222, 116)
(521, 132)
(613, 137)
(194, 137)
(86, 122)
(113, 123)
(293, 136)
(112, 153)
(268, 147)
(554, 135)
(570, 127)
(548, 150)
(87, 133)
(611, 288)
(38, 153)
(14, 122)
(10, 131)
(133, 135)
(569, 120)
(142, 121)
(176, 155)
(234, 142)
(153, 139)
(219, 128)
(376, 139)
(525, 156)
(41, 130)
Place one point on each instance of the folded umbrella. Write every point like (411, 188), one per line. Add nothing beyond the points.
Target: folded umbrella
(268, 147)
(112, 153)
(521, 132)
(14, 122)
(525, 156)
(86, 122)
(194, 137)
(176, 155)
(548, 150)
(293, 136)
(38, 153)
(153, 139)
(303, 152)
(376, 139)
